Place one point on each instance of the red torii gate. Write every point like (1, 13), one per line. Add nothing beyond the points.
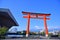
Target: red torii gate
(43, 16)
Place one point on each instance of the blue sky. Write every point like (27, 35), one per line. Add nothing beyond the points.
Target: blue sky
(40, 6)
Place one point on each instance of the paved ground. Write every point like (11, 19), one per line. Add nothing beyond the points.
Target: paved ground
(37, 37)
(29, 39)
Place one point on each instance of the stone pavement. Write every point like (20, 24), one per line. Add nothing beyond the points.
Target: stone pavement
(29, 39)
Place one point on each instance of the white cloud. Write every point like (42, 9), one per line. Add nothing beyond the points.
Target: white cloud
(49, 27)
(53, 27)
(38, 27)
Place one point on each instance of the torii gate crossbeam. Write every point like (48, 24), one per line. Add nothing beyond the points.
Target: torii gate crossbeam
(43, 16)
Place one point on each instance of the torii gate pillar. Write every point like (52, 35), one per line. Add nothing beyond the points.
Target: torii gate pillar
(28, 26)
(45, 25)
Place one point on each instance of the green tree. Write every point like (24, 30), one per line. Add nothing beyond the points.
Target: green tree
(3, 30)
(43, 33)
(50, 34)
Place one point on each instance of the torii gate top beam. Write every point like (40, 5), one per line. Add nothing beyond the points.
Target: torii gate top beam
(35, 15)
(38, 14)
